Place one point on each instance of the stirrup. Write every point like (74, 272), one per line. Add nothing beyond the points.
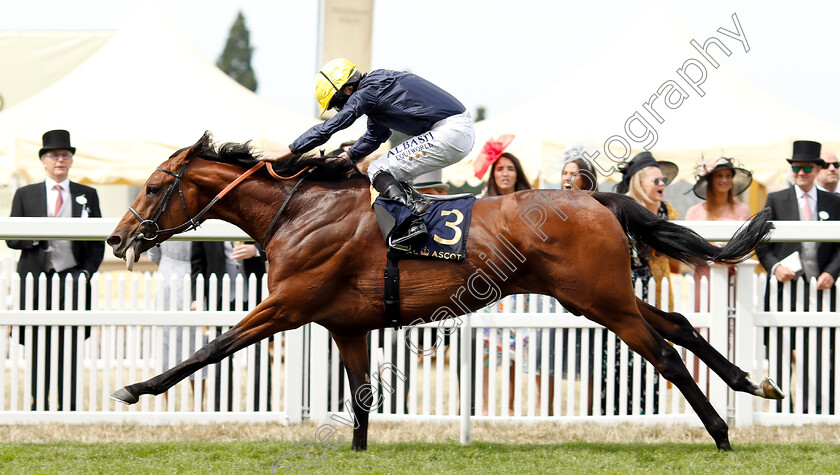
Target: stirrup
(415, 235)
(417, 202)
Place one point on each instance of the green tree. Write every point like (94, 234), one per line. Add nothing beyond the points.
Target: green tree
(235, 60)
(480, 113)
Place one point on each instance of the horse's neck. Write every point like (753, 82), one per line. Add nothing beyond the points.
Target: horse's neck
(253, 205)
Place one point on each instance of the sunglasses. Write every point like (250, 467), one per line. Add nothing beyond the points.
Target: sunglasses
(663, 180)
(804, 168)
(832, 164)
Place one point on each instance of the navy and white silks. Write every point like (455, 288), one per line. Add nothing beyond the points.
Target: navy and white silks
(441, 129)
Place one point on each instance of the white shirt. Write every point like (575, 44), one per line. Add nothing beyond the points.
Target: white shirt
(836, 192)
(52, 194)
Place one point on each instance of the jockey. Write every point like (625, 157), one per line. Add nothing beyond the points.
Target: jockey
(441, 130)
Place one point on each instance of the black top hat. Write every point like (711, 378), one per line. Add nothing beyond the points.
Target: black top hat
(640, 162)
(806, 151)
(741, 178)
(56, 140)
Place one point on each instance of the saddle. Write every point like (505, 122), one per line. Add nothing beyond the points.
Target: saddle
(447, 219)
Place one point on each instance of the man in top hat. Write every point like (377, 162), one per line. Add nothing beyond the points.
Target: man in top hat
(56, 196)
(804, 202)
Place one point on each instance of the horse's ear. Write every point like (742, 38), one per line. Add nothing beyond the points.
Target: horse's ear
(204, 143)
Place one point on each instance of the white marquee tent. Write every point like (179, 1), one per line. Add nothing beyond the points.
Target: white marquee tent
(732, 117)
(144, 94)
(33, 60)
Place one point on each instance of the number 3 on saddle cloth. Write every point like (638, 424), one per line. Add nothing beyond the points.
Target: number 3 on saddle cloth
(447, 220)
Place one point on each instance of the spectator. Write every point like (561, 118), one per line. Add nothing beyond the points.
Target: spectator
(803, 202)
(431, 184)
(644, 180)
(506, 177)
(57, 196)
(173, 259)
(718, 183)
(220, 258)
(821, 261)
(578, 173)
(827, 177)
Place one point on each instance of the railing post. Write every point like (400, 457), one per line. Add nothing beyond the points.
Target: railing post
(744, 338)
(294, 374)
(719, 330)
(319, 348)
(466, 378)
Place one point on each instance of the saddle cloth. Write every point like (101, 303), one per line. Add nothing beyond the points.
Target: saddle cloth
(447, 220)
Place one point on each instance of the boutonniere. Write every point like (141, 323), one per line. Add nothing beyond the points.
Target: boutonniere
(823, 215)
(82, 200)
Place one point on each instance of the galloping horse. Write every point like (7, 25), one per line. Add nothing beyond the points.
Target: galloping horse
(327, 257)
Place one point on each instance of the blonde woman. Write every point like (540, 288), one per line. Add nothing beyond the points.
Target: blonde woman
(644, 180)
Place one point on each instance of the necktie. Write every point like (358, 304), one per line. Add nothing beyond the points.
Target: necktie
(806, 208)
(58, 201)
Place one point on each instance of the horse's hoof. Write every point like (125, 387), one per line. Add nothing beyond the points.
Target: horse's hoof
(724, 446)
(124, 396)
(359, 447)
(769, 390)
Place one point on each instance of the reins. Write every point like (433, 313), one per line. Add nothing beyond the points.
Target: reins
(193, 222)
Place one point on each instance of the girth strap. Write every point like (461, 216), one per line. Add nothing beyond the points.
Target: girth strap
(392, 294)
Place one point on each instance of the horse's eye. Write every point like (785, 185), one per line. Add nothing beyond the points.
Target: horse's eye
(152, 189)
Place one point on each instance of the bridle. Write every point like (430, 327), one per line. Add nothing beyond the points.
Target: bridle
(150, 230)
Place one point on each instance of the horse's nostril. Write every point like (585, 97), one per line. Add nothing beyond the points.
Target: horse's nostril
(114, 240)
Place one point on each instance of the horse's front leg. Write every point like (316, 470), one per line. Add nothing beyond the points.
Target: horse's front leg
(260, 323)
(354, 353)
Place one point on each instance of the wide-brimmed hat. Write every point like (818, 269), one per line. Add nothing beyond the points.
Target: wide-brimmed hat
(56, 140)
(741, 178)
(433, 179)
(806, 151)
(640, 162)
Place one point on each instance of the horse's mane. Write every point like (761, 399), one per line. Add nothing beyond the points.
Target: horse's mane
(244, 155)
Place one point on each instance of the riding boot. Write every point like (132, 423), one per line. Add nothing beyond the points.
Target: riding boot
(414, 232)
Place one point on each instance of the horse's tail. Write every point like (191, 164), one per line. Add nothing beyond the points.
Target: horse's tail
(682, 243)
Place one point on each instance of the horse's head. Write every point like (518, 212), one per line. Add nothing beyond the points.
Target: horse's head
(161, 209)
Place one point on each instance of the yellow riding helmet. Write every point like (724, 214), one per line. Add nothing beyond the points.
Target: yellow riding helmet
(331, 78)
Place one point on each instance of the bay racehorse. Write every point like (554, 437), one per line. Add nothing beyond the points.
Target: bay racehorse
(327, 257)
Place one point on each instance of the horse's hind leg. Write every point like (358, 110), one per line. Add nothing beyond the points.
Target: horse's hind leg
(675, 327)
(354, 353)
(639, 336)
(260, 323)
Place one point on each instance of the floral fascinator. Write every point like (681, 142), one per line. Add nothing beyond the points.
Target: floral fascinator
(490, 153)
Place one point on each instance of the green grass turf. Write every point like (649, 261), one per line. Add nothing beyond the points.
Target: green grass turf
(414, 458)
